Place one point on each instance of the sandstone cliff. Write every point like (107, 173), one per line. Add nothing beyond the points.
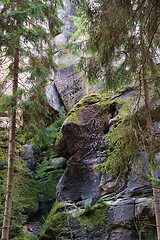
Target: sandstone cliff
(94, 205)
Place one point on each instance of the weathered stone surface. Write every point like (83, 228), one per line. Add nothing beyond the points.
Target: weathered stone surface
(82, 135)
(32, 228)
(57, 163)
(123, 234)
(4, 123)
(29, 156)
(138, 182)
(144, 206)
(69, 84)
(65, 16)
(53, 96)
(71, 87)
(130, 215)
(112, 221)
(122, 212)
(110, 185)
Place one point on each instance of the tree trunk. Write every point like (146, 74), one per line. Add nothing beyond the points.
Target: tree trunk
(11, 154)
(156, 193)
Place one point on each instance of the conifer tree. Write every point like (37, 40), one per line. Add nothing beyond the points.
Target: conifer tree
(122, 47)
(25, 37)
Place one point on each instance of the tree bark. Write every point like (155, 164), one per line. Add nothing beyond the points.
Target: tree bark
(156, 193)
(11, 154)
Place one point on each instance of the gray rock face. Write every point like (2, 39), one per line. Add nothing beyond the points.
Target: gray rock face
(71, 87)
(69, 83)
(64, 15)
(57, 163)
(4, 123)
(131, 208)
(53, 96)
(29, 156)
(80, 143)
(118, 221)
(60, 41)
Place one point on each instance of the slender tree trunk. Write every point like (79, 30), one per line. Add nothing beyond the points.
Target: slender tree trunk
(11, 155)
(156, 193)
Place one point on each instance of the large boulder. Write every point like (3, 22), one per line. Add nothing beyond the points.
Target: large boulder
(81, 143)
(53, 97)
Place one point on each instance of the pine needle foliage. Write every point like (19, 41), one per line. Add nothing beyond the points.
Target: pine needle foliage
(36, 131)
(25, 192)
(32, 25)
(111, 46)
(123, 149)
(27, 52)
(129, 144)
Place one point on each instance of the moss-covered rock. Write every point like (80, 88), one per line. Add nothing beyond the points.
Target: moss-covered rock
(82, 143)
(66, 221)
(54, 221)
(46, 186)
(94, 216)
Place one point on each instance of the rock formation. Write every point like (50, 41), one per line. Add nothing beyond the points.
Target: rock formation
(82, 144)
(71, 86)
(69, 83)
(93, 205)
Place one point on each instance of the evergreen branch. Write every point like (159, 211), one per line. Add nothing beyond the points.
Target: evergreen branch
(133, 16)
(150, 46)
(150, 12)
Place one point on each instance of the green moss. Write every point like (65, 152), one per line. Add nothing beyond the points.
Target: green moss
(74, 116)
(54, 220)
(96, 216)
(100, 100)
(25, 197)
(47, 185)
(59, 136)
(60, 221)
(25, 194)
(94, 97)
